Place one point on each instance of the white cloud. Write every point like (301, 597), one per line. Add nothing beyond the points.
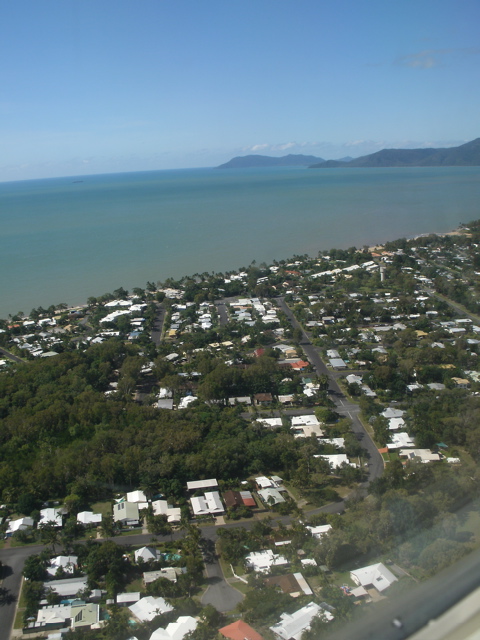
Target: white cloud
(430, 58)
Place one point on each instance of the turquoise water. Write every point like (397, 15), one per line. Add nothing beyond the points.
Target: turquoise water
(63, 240)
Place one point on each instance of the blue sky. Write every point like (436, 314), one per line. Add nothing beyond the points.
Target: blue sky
(99, 86)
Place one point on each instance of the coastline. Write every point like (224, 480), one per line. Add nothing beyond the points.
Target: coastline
(376, 248)
(65, 242)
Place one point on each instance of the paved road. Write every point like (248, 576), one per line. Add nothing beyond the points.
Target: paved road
(222, 312)
(158, 325)
(10, 356)
(13, 561)
(219, 593)
(343, 406)
(415, 608)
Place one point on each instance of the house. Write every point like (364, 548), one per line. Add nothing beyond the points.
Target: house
(292, 583)
(137, 497)
(339, 443)
(337, 363)
(390, 412)
(161, 507)
(88, 517)
(400, 440)
(336, 460)
(261, 561)
(263, 482)
(50, 516)
(375, 575)
(272, 423)
(176, 630)
(169, 573)
(292, 625)
(147, 608)
(125, 599)
(145, 554)
(263, 399)
(67, 563)
(126, 513)
(271, 495)
(209, 504)
(238, 499)
(165, 403)
(319, 531)
(55, 614)
(84, 614)
(22, 524)
(68, 587)
(239, 400)
(461, 383)
(201, 484)
(424, 455)
(239, 630)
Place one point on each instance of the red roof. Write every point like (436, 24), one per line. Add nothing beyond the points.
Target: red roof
(300, 364)
(240, 630)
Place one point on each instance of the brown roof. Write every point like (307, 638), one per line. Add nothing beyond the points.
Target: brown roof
(238, 498)
(232, 498)
(263, 397)
(287, 583)
(240, 630)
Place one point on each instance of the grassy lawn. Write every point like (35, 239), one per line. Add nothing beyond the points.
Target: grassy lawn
(105, 508)
(240, 586)
(18, 623)
(470, 522)
(135, 585)
(343, 577)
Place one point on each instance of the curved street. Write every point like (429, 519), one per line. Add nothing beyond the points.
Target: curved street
(342, 405)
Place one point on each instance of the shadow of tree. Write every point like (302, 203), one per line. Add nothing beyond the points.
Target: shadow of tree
(6, 597)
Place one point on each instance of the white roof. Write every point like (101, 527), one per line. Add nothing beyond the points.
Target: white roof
(270, 422)
(335, 460)
(67, 587)
(293, 625)
(55, 614)
(20, 524)
(390, 412)
(50, 515)
(68, 564)
(133, 596)
(337, 442)
(303, 584)
(136, 496)
(175, 630)
(261, 561)
(396, 423)
(169, 573)
(147, 608)
(273, 493)
(264, 482)
(425, 455)
(201, 484)
(161, 508)
(88, 517)
(399, 440)
(321, 530)
(375, 574)
(300, 421)
(184, 402)
(146, 554)
(209, 503)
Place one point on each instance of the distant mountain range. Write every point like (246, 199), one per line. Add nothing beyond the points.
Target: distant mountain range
(466, 155)
(243, 162)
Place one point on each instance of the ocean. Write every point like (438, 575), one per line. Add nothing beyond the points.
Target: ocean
(66, 239)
